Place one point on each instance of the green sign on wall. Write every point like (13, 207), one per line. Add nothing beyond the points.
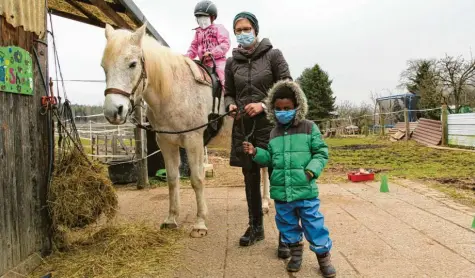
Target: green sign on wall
(16, 70)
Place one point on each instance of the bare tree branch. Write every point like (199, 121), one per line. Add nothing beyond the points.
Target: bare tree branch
(457, 74)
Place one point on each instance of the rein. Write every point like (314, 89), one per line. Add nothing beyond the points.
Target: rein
(149, 128)
(142, 79)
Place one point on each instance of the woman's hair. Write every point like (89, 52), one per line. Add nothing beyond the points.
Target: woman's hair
(285, 92)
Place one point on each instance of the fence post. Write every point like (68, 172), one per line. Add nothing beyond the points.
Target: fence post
(90, 129)
(98, 145)
(114, 145)
(406, 120)
(93, 144)
(381, 121)
(444, 122)
(142, 180)
(366, 126)
(106, 139)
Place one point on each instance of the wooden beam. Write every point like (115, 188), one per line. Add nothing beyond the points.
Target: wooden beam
(78, 18)
(109, 12)
(84, 11)
(116, 7)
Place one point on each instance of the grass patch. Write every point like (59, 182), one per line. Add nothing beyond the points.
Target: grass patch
(448, 169)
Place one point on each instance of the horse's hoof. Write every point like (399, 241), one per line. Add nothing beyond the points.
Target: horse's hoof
(169, 226)
(265, 210)
(198, 233)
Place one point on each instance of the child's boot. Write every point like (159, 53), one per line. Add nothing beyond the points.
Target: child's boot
(283, 251)
(326, 267)
(296, 251)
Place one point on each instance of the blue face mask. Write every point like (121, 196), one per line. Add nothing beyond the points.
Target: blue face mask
(245, 39)
(284, 117)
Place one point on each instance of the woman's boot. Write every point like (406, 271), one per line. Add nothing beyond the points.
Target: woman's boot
(296, 251)
(252, 234)
(326, 267)
(255, 231)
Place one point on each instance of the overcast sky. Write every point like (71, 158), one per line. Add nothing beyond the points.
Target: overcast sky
(362, 44)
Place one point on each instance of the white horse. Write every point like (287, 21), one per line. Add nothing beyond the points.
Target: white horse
(138, 67)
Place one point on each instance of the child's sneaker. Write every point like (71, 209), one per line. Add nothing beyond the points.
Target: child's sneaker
(296, 251)
(326, 267)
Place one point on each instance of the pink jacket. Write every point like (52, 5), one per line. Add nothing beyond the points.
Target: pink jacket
(214, 39)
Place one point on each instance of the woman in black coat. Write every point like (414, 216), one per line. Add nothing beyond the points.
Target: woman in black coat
(249, 74)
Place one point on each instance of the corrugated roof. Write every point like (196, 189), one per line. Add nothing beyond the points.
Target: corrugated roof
(71, 9)
(118, 13)
(27, 13)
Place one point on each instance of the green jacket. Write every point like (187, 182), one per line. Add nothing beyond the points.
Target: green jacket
(293, 150)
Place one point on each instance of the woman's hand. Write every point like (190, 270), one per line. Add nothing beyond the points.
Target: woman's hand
(253, 109)
(248, 148)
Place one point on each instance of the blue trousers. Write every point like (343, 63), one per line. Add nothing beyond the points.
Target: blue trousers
(288, 217)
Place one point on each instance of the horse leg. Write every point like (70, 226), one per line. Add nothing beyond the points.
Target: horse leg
(195, 152)
(171, 155)
(265, 190)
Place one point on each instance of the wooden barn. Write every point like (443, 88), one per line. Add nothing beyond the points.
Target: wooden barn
(26, 131)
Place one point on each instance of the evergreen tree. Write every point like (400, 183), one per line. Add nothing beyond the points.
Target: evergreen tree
(317, 86)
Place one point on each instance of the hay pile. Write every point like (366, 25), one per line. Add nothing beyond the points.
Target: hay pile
(126, 250)
(80, 192)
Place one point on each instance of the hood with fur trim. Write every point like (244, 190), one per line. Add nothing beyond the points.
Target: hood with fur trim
(302, 106)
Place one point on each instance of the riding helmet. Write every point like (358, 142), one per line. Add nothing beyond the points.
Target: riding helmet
(206, 8)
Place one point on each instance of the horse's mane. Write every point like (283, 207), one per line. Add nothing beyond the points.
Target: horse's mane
(163, 66)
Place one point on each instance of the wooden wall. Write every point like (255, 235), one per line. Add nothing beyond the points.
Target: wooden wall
(24, 219)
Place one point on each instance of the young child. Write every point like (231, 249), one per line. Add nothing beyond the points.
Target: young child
(210, 39)
(297, 154)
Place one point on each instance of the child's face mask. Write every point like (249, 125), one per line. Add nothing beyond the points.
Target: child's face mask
(203, 21)
(284, 117)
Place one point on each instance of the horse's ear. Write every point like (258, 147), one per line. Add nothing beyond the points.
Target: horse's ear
(139, 34)
(109, 31)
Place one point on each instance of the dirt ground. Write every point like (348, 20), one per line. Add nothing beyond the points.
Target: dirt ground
(412, 231)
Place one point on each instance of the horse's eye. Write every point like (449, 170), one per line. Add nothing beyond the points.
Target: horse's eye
(132, 65)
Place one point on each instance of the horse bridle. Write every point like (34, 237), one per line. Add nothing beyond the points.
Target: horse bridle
(143, 78)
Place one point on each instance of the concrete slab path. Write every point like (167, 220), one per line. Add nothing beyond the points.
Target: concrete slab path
(412, 231)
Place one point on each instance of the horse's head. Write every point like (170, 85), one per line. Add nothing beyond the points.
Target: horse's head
(124, 67)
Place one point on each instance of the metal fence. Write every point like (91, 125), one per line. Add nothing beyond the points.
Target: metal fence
(461, 129)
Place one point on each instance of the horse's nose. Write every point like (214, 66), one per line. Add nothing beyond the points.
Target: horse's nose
(120, 109)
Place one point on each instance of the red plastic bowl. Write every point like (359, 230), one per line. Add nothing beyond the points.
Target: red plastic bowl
(360, 177)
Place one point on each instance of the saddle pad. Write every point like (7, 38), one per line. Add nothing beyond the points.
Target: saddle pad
(199, 73)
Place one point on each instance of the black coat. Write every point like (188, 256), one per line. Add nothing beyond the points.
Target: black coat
(248, 78)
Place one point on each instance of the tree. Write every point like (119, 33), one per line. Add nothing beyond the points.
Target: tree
(79, 111)
(317, 86)
(457, 74)
(422, 78)
(358, 114)
(398, 117)
(470, 95)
